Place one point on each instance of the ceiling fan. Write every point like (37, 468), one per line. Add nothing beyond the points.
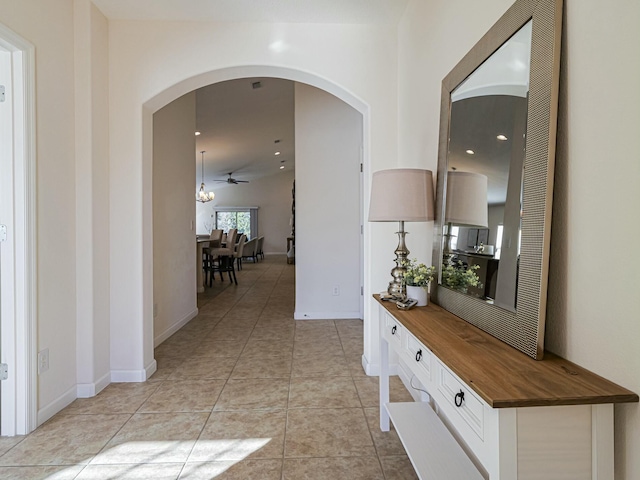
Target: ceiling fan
(232, 180)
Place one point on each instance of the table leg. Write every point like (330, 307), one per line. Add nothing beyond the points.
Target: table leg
(199, 275)
(384, 384)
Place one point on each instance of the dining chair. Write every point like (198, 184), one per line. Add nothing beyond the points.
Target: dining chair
(221, 261)
(232, 236)
(240, 250)
(259, 251)
(215, 239)
(250, 249)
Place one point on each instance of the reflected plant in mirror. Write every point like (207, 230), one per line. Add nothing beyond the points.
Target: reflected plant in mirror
(460, 276)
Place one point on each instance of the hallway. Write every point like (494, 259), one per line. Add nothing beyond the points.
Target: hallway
(241, 392)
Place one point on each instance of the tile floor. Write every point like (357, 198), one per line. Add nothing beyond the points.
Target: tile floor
(242, 392)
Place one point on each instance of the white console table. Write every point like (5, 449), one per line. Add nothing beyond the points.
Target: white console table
(493, 412)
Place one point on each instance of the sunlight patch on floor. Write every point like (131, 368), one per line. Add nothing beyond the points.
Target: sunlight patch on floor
(165, 459)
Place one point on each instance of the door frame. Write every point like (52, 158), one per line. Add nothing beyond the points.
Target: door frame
(18, 320)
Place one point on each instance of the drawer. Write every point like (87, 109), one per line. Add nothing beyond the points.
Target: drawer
(461, 400)
(419, 358)
(392, 330)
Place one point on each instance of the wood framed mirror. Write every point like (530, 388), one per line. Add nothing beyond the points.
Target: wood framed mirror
(496, 159)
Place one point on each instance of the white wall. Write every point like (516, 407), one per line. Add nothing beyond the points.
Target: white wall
(92, 207)
(328, 141)
(174, 207)
(152, 63)
(271, 194)
(592, 315)
(49, 26)
(593, 307)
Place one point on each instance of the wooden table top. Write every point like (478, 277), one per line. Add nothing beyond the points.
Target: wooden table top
(503, 376)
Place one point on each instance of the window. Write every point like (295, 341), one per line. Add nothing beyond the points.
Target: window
(244, 219)
(239, 220)
(455, 231)
(498, 241)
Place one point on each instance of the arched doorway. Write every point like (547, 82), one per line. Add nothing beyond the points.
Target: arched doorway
(176, 91)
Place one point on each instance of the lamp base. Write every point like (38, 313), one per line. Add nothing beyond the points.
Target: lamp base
(397, 289)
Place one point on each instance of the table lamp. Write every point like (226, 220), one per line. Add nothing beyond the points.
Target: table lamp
(401, 195)
(466, 202)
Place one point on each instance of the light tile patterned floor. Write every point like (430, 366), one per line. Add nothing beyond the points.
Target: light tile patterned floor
(242, 392)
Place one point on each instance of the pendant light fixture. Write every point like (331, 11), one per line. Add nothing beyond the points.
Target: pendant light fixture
(202, 195)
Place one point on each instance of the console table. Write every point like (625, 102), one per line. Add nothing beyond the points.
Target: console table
(492, 411)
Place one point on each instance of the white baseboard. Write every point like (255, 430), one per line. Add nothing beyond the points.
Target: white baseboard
(134, 376)
(174, 328)
(373, 369)
(128, 376)
(326, 315)
(48, 411)
(87, 390)
(151, 369)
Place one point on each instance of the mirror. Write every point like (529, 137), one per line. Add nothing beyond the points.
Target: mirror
(495, 176)
(487, 133)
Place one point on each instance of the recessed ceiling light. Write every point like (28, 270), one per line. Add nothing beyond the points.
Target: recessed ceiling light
(277, 153)
(470, 152)
(281, 167)
(197, 133)
(501, 137)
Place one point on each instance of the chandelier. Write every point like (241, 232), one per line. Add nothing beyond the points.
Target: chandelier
(202, 195)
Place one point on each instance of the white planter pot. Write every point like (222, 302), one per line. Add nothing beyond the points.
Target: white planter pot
(419, 294)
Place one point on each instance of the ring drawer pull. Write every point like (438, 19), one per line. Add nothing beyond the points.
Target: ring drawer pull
(459, 398)
(418, 355)
(393, 330)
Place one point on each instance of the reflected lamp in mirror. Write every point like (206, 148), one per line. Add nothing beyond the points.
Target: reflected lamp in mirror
(466, 203)
(401, 195)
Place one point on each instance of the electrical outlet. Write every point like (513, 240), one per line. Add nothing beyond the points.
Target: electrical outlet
(43, 361)
(336, 290)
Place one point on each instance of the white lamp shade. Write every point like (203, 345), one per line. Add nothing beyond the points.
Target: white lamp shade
(467, 202)
(401, 194)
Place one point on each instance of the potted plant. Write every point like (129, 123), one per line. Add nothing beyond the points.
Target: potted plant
(417, 278)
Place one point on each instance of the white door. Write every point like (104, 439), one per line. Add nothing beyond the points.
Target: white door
(6, 246)
(17, 235)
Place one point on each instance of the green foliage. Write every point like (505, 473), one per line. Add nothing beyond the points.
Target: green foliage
(240, 220)
(418, 274)
(460, 277)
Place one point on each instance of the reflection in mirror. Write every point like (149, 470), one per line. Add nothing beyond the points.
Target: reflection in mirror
(485, 158)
